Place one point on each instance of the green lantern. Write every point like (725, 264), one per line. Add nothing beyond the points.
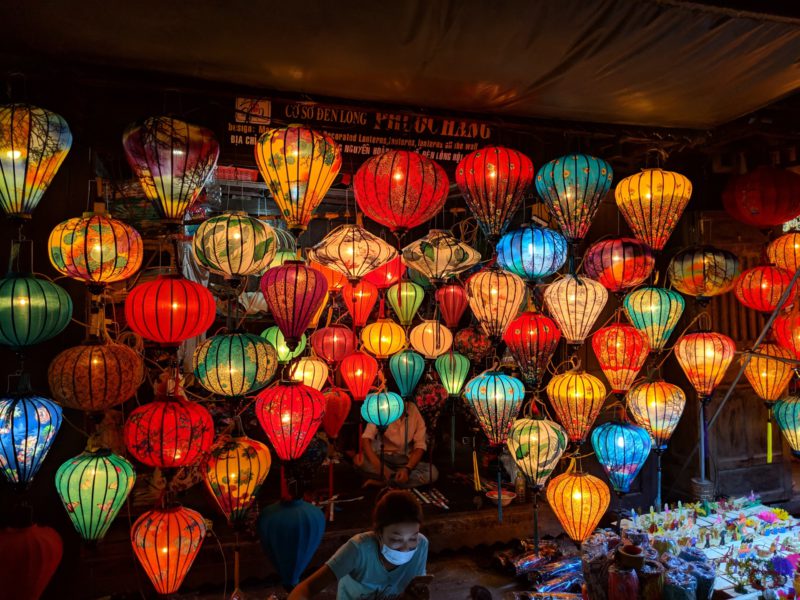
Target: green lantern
(93, 487)
(406, 368)
(234, 364)
(32, 310)
(275, 338)
(405, 298)
(234, 245)
(453, 369)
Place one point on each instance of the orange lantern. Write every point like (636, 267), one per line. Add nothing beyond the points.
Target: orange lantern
(784, 252)
(235, 469)
(576, 397)
(495, 296)
(769, 376)
(657, 406)
(358, 371)
(335, 279)
(704, 357)
(383, 338)
(579, 500)
(761, 288)
(621, 351)
(360, 299)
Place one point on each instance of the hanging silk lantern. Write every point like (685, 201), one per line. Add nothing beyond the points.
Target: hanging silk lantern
(383, 338)
(439, 256)
(95, 249)
(536, 445)
(28, 426)
(275, 339)
(358, 371)
(621, 449)
(453, 369)
(703, 271)
(769, 376)
(784, 251)
(652, 203)
(360, 299)
(382, 409)
(579, 501)
(452, 301)
(576, 397)
(166, 542)
(234, 472)
(31, 556)
(294, 293)
(787, 414)
(495, 399)
(387, 274)
(33, 144)
(657, 406)
(310, 371)
(314, 322)
(234, 245)
(234, 364)
(299, 166)
(495, 297)
(655, 312)
(621, 351)
(400, 189)
(333, 343)
(572, 187)
(493, 181)
(431, 339)
(169, 309)
(337, 407)
(406, 368)
(764, 197)
(405, 298)
(290, 414)
(173, 160)
(761, 288)
(473, 343)
(353, 251)
(93, 486)
(786, 329)
(95, 376)
(704, 358)
(532, 252)
(336, 280)
(575, 303)
(532, 339)
(418, 278)
(32, 310)
(619, 263)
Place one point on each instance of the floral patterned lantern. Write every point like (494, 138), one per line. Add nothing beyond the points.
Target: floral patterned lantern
(787, 414)
(495, 399)
(655, 312)
(406, 368)
(769, 376)
(234, 472)
(382, 409)
(532, 339)
(575, 303)
(761, 288)
(536, 445)
(234, 245)
(657, 406)
(452, 301)
(358, 371)
(704, 358)
(275, 339)
(353, 251)
(784, 251)
(622, 449)
(387, 274)
(234, 364)
(532, 252)
(495, 297)
(32, 310)
(405, 298)
(311, 371)
(383, 338)
(473, 343)
(439, 256)
(576, 397)
(619, 263)
(764, 197)
(621, 351)
(703, 271)
(431, 339)
(360, 299)
(290, 414)
(337, 407)
(579, 501)
(333, 343)
(453, 369)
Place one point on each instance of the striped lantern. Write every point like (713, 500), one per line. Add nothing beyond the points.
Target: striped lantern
(621, 449)
(655, 312)
(406, 368)
(761, 288)
(784, 251)
(495, 398)
(621, 350)
(575, 303)
(576, 397)
(383, 338)
(32, 310)
(657, 406)
(353, 251)
(703, 271)
(579, 501)
(405, 298)
(704, 358)
(619, 263)
(431, 339)
(333, 343)
(234, 364)
(495, 297)
(234, 472)
(536, 445)
(234, 245)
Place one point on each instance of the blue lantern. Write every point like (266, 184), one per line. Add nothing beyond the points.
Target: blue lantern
(622, 449)
(28, 426)
(406, 368)
(655, 312)
(532, 252)
(496, 399)
(382, 409)
(290, 534)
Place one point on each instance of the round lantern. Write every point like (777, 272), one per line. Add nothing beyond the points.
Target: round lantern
(536, 445)
(28, 426)
(764, 197)
(275, 339)
(173, 160)
(657, 406)
(473, 343)
(294, 293)
(572, 187)
(495, 297)
(431, 339)
(575, 303)
(703, 271)
(652, 203)
(621, 351)
(655, 312)
(439, 256)
(704, 358)
(358, 371)
(493, 181)
(769, 376)
(32, 310)
(761, 288)
(576, 397)
(453, 369)
(33, 144)
(579, 500)
(95, 249)
(335, 279)
(95, 376)
(495, 398)
(532, 252)
(337, 407)
(784, 252)
(93, 486)
(621, 449)
(169, 309)
(532, 339)
(31, 556)
(353, 251)
(234, 472)
(787, 414)
(383, 338)
(382, 409)
(452, 301)
(400, 189)
(333, 343)
(311, 371)
(405, 298)
(169, 433)
(234, 364)
(387, 274)
(234, 245)
(786, 329)
(166, 542)
(360, 299)
(406, 368)
(290, 414)
(619, 263)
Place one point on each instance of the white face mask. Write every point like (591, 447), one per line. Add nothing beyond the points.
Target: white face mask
(396, 557)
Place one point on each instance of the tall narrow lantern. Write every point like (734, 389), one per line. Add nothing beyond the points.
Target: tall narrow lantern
(452, 301)
(406, 368)
(579, 500)
(353, 251)
(622, 449)
(575, 303)
(576, 397)
(532, 338)
(655, 312)
(621, 351)
(532, 252)
(453, 369)
(360, 299)
(495, 297)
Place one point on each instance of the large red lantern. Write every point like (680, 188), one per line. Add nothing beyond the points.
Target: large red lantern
(761, 288)
(333, 343)
(452, 299)
(387, 274)
(786, 329)
(532, 338)
(764, 197)
(169, 309)
(784, 251)
(337, 407)
(358, 371)
(360, 299)
(30, 557)
(290, 414)
(619, 263)
(621, 350)
(400, 189)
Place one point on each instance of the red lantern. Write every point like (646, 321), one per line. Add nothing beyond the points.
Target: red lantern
(387, 274)
(761, 288)
(621, 350)
(786, 329)
(337, 407)
(169, 309)
(532, 338)
(290, 414)
(619, 263)
(358, 371)
(294, 293)
(764, 197)
(400, 189)
(30, 557)
(452, 299)
(360, 299)
(333, 343)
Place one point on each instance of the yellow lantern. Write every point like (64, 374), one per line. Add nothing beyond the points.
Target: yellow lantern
(235, 469)
(575, 303)
(576, 397)
(383, 338)
(579, 500)
(784, 251)
(311, 371)
(495, 297)
(704, 357)
(431, 339)
(657, 406)
(312, 324)
(769, 376)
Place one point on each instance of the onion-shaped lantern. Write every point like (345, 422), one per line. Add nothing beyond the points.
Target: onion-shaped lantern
(453, 369)
(703, 271)
(439, 256)
(575, 303)
(621, 351)
(784, 251)
(769, 376)
(764, 197)
(353, 251)
(657, 406)
(619, 263)
(786, 329)
(299, 166)
(234, 364)
(337, 407)
(32, 310)
(234, 472)
(333, 343)
(493, 181)
(336, 280)
(360, 299)
(572, 187)
(704, 358)
(28, 426)
(652, 203)
(290, 414)
(536, 445)
(621, 449)
(787, 414)
(358, 371)
(495, 399)
(406, 368)
(761, 288)
(311, 371)
(382, 409)
(234, 245)
(173, 160)
(294, 293)
(452, 301)
(579, 501)
(532, 252)
(532, 339)
(431, 339)
(655, 312)
(383, 338)
(275, 339)
(405, 298)
(387, 274)
(33, 144)
(495, 297)
(576, 397)
(93, 486)
(473, 343)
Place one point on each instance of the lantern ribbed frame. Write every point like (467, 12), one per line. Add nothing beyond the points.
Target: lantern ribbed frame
(532, 339)
(337, 409)
(619, 263)
(234, 472)
(382, 409)
(704, 358)
(655, 312)
(575, 303)
(621, 449)
(387, 274)
(275, 339)
(353, 251)
(787, 414)
(234, 364)
(784, 251)
(418, 278)
(406, 368)
(28, 427)
(536, 445)
(652, 203)
(786, 329)
(576, 397)
(336, 280)
(383, 338)
(761, 288)
(234, 245)
(360, 299)
(333, 343)
(290, 414)
(495, 399)
(452, 301)
(358, 371)
(311, 371)
(495, 297)
(431, 339)
(657, 406)
(703, 271)
(439, 255)
(405, 298)
(765, 197)
(769, 377)
(453, 369)
(532, 252)
(621, 351)
(579, 500)
(32, 310)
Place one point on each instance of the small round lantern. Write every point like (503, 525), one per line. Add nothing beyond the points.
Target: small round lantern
(353, 251)
(579, 501)
(655, 312)
(453, 369)
(532, 339)
(431, 339)
(234, 245)
(234, 472)
(360, 299)
(333, 343)
(764, 197)
(703, 271)
(358, 371)
(621, 351)
(234, 364)
(387, 274)
(290, 414)
(439, 256)
(621, 449)
(452, 301)
(704, 358)
(575, 304)
(473, 343)
(275, 339)
(536, 445)
(405, 298)
(406, 368)
(761, 288)
(769, 376)
(310, 371)
(382, 409)
(657, 406)
(787, 414)
(784, 251)
(383, 338)
(495, 398)
(619, 263)
(532, 252)
(495, 297)
(576, 397)
(28, 427)
(32, 310)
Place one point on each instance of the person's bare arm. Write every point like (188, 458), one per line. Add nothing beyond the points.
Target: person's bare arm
(414, 458)
(314, 584)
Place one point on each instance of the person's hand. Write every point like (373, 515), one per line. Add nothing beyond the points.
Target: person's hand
(401, 476)
(417, 590)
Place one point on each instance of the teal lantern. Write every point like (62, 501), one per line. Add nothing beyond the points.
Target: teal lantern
(382, 409)
(532, 252)
(787, 414)
(405, 298)
(32, 310)
(275, 338)
(453, 369)
(93, 487)
(495, 398)
(655, 312)
(234, 364)
(622, 449)
(406, 368)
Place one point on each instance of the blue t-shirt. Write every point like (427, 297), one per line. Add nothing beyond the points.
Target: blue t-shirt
(361, 574)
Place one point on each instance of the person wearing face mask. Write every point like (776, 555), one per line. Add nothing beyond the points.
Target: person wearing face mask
(383, 564)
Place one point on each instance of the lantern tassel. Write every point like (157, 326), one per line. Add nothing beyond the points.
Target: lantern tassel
(536, 520)
(658, 479)
(475, 475)
(330, 488)
(769, 442)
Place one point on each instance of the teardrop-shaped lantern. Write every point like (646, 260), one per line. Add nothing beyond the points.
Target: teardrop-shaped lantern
(382, 409)
(383, 338)
(769, 376)
(387, 274)
(234, 245)
(406, 368)
(337, 408)
(655, 312)
(764, 197)
(704, 358)
(579, 501)
(439, 256)
(32, 310)
(621, 449)
(619, 263)
(234, 364)
(405, 298)
(532, 338)
(452, 301)
(28, 427)
(784, 251)
(536, 445)
(761, 288)
(333, 343)
(431, 339)
(576, 397)
(311, 371)
(787, 415)
(294, 293)
(453, 369)
(532, 252)
(358, 371)
(621, 351)
(290, 414)
(275, 339)
(495, 297)
(575, 303)
(353, 251)
(657, 406)
(234, 472)
(495, 399)
(703, 271)
(360, 299)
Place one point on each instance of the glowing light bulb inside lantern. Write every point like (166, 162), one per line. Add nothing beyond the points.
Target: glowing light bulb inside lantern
(177, 152)
(164, 550)
(13, 154)
(709, 353)
(647, 195)
(398, 176)
(237, 236)
(571, 298)
(620, 442)
(286, 418)
(494, 291)
(348, 251)
(576, 495)
(359, 372)
(175, 306)
(21, 301)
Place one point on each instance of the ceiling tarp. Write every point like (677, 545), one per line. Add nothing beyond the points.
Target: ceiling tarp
(617, 61)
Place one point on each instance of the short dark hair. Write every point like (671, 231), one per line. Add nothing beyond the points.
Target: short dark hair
(396, 506)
